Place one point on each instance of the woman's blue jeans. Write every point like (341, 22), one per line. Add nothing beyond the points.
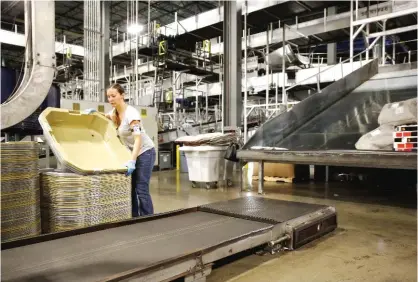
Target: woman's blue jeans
(141, 197)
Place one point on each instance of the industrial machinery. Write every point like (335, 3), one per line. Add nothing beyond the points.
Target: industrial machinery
(182, 243)
(38, 76)
(322, 129)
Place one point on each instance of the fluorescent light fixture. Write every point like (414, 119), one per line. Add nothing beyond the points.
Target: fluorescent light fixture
(134, 29)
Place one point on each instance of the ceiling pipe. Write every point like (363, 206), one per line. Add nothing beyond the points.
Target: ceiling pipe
(31, 94)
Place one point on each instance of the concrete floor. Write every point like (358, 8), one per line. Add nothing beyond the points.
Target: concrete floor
(376, 239)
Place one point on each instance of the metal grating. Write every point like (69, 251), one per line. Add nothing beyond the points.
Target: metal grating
(261, 209)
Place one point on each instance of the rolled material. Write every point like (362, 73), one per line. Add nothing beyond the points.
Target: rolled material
(20, 197)
(70, 201)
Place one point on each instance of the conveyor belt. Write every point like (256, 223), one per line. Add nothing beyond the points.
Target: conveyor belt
(261, 209)
(155, 244)
(324, 128)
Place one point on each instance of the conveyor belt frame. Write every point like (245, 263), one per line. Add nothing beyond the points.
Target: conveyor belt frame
(352, 158)
(194, 266)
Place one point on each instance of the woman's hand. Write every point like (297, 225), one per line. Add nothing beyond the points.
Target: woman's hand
(89, 111)
(131, 167)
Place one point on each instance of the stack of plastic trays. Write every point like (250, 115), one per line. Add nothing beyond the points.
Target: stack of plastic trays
(71, 201)
(405, 138)
(20, 196)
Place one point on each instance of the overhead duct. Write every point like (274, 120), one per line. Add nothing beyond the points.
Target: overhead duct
(27, 70)
(275, 58)
(33, 90)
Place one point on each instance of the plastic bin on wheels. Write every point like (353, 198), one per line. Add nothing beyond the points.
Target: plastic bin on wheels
(206, 164)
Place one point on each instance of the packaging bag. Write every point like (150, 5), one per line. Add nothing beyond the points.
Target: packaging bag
(379, 139)
(399, 113)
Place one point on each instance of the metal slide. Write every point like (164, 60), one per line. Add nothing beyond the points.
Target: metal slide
(324, 128)
(40, 41)
(181, 243)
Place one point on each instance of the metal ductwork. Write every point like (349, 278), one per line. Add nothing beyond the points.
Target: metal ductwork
(292, 58)
(28, 50)
(40, 55)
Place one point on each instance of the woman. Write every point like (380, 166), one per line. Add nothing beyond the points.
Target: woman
(128, 122)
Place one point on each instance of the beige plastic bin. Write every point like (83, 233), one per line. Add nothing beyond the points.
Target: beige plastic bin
(82, 143)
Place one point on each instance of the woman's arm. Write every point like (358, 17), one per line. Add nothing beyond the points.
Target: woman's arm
(136, 131)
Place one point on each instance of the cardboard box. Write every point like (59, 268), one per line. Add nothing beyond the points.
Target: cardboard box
(276, 170)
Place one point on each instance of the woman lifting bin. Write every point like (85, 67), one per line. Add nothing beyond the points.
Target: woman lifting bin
(128, 122)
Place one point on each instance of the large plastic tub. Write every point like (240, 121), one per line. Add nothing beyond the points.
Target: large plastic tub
(84, 144)
(206, 164)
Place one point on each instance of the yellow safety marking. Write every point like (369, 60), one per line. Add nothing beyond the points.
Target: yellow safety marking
(178, 157)
(178, 181)
(69, 53)
(161, 48)
(206, 45)
(144, 113)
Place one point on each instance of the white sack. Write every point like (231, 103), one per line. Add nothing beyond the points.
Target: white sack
(379, 139)
(399, 113)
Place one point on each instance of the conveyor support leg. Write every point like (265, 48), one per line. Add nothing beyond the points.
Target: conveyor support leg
(199, 276)
(261, 177)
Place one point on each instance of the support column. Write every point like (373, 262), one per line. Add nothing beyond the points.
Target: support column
(384, 43)
(332, 47)
(351, 35)
(232, 38)
(261, 177)
(105, 42)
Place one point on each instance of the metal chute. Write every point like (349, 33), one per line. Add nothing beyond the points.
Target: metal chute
(40, 34)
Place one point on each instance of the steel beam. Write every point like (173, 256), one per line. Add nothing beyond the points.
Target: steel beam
(202, 20)
(245, 72)
(232, 33)
(332, 47)
(105, 42)
(351, 34)
(387, 16)
(18, 39)
(393, 31)
(373, 159)
(360, 29)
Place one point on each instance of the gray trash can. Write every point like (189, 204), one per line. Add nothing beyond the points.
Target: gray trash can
(183, 163)
(165, 160)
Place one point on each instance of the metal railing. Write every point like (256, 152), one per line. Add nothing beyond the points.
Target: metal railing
(318, 76)
(333, 67)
